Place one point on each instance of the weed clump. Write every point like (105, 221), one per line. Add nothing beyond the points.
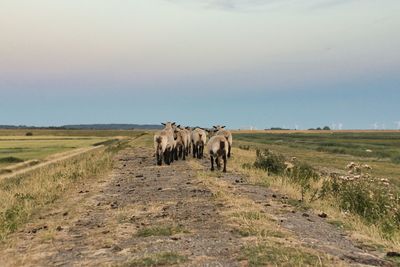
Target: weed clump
(270, 161)
(299, 173)
(371, 198)
(304, 175)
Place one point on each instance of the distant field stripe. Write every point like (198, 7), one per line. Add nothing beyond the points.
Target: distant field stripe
(63, 156)
(45, 139)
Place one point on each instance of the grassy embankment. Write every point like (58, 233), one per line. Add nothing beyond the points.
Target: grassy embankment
(267, 242)
(17, 148)
(330, 153)
(24, 195)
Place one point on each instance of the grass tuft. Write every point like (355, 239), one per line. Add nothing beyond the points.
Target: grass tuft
(160, 231)
(270, 161)
(160, 259)
(249, 215)
(266, 255)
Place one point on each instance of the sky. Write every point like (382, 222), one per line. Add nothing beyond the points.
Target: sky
(241, 63)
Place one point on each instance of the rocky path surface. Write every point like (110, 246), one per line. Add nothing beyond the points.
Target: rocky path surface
(141, 210)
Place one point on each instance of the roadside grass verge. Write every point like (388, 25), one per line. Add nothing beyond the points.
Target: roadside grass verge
(368, 230)
(145, 139)
(24, 195)
(159, 259)
(259, 230)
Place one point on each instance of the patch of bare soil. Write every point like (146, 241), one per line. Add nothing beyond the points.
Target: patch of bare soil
(141, 210)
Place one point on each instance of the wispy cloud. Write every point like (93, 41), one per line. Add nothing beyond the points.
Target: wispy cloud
(246, 5)
(321, 4)
(227, 4)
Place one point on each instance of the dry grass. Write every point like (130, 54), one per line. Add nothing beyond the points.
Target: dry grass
(268, 254)
(144, 140)
(319, 149)
(27, 194)
(312, 131)
(129, 212)
(159, 259)
(368, 234)
(260, 230)
(39, 147)
(22, 196)
(59, 132)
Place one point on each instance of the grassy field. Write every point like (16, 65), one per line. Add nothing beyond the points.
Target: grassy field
(366, 206)
(16, 147)
(23, 195)
(57, 132)
(381, 145)
(14, 150)
(333, 151)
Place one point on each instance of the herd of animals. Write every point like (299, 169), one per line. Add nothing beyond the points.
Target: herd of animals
(175, 142)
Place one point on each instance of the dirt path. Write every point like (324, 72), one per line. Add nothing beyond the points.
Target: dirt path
(112, 217)
(142, 212)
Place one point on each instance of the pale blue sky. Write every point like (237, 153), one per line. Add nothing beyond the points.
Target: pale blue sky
(242, 63)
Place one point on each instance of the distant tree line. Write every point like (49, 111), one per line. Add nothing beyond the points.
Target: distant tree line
(88, 127)
(326, 128)
(278, 129)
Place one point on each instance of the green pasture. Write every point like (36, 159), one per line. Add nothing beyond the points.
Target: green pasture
(333, 151)
(17, 147)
